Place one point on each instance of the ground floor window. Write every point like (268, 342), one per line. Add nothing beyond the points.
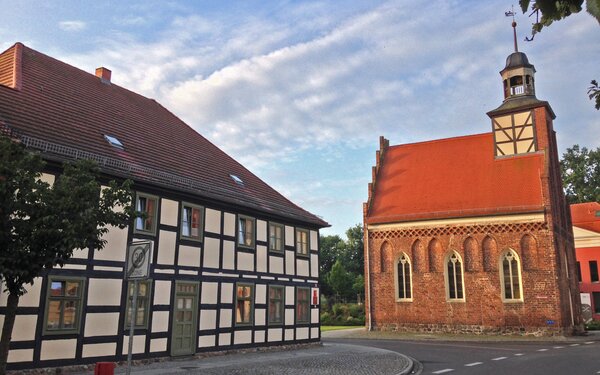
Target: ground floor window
(403, 278)
(511, 276)
(596, 297)
(63, 304)
(454, 277)
(244, 305)
(143, 304)
(302, 305)
(275, 305)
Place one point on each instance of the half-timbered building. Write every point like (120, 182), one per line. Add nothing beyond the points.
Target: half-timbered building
(234, 264)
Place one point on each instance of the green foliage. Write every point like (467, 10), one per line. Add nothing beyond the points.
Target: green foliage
(594, 325)
(580, 169)
(344, 314)
(41, 225)
(594, 93)
(548, 11)
(359, 284)
(340, 280)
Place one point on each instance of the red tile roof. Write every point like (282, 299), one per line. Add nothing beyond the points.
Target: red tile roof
(454, 177)
(586, 216)
(65, 106)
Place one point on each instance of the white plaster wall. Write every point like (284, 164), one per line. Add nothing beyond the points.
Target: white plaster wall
(228, 255)
(213, 221)
(209, 293)
(289, 236)
(24, 328)
(261, 258)
(160, 321)
(289, 316)
(314, 316)
(224, 339)
(57, 349)
(139, 344)
(158, 345)
(289, 334)
(225, 318)
(162, 292)
(104, 292)
(206, 341)
(261, 230)
(314, 332)
(302, 333)
(314, 240)
(101, 324)
(275, 334)
(29, 299)
(189, 256)
(211, 252)
(208, 319)
(82, 253)
(260, 317)
(166, 247)
(116, 247)
(226, 292)
(48, 178)
(168, 211)
(99, 350)
(302, 267)
(229, 224)
(314, 265)
(245, 261)
(259, 336)
(242, 337)
(276, 264)
(289, 295)
(20, 355)
(289, 262)
(261, 294)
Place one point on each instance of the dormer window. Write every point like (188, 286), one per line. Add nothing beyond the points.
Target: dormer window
(114, 141)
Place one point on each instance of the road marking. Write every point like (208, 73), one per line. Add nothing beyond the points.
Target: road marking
(473, 364)
(574, 345)
(443, 371)
(498, 359)
(589, 342)
(542, 350)
(558, 347)
(519, 354)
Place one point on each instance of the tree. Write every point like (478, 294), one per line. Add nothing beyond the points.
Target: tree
(354, 256)
(594, 93)
(548, 11)
(580, 169)
(41, 225)
(340, 280)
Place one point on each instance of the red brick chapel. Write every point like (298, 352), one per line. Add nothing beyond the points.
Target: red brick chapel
(472, 234)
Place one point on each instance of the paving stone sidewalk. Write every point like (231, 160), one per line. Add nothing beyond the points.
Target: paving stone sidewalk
(328, 359)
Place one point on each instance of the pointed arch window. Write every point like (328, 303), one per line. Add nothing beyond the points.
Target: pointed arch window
(454, 278)
(510, 276)
(403, 278)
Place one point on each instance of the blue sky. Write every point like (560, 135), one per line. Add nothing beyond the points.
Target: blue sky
(300, 91)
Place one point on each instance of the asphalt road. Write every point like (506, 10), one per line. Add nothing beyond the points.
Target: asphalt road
(512, 358)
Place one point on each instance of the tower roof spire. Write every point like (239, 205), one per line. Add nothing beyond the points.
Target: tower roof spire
(514, 25)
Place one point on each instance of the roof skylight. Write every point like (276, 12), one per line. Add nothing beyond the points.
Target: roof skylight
(114, 141)
(237, 180)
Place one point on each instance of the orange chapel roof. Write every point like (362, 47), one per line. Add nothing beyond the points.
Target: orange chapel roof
(454, 177)
(586, 216)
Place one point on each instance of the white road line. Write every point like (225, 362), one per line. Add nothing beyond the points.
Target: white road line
(474, 364)
(574, 345)
(498, 359)
(558, 347)
(443, 371)
(542, 350)
(589, 342)
(519, 354)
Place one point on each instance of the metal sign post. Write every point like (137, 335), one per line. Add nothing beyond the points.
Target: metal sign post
(137, 268)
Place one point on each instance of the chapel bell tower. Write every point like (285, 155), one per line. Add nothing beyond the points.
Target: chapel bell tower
(518, 127)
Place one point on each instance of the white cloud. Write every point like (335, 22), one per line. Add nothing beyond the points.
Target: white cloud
(72, 25)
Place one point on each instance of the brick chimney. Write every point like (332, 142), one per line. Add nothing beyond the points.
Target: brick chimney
(103, 74)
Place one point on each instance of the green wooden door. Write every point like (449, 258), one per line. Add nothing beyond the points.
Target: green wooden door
(185, 316)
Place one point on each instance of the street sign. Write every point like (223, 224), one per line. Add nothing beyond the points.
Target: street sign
(137, 266)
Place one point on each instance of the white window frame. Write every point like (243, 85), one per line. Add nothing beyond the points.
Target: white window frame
(515, 257)
(397, 278)
(153, 217)
(462, 277)
(191, 206)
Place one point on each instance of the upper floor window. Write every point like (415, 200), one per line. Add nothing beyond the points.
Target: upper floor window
(63, 304)
(403, 275)
(454, 278)
(510, 276)
(147, 206)
(302, 305)
(245, 231)
(302, 241)
(594, 271)
(276, 239)
(579, 271)
(191, 221)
